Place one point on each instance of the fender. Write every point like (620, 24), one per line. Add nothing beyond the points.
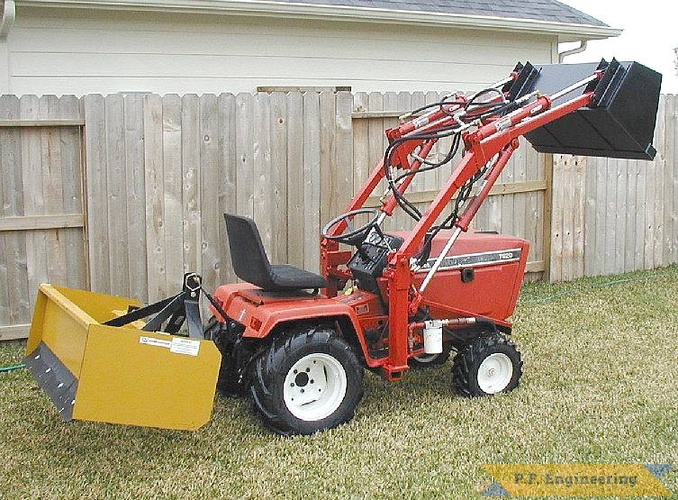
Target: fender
(260, 312)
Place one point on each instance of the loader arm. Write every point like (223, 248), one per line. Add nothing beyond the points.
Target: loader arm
(490, 129)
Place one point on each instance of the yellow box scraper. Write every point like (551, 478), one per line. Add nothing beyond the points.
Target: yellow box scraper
(98, 360)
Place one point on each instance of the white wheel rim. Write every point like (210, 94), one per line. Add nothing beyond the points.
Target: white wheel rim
(314, 387)
(495, 373)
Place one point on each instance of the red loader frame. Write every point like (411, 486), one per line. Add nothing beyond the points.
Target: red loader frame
(489, 139)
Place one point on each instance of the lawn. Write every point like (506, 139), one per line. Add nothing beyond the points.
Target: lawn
(600, 386)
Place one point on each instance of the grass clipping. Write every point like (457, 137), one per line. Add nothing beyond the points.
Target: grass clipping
(600, 386)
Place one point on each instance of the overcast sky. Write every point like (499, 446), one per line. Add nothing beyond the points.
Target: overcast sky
(649, 37)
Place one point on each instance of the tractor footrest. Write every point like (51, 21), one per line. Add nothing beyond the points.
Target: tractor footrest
(393, 374)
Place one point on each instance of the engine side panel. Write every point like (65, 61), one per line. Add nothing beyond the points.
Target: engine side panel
(482, 273)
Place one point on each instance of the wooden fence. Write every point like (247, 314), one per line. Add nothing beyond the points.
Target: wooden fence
(614, 216)
(41, 214)
(157, 174)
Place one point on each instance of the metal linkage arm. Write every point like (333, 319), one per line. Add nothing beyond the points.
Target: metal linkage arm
(170, 312)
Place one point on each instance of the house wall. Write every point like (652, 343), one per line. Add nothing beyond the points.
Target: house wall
(75, 51)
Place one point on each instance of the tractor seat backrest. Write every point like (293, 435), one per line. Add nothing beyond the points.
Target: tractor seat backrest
(248, 255)
(251, 264)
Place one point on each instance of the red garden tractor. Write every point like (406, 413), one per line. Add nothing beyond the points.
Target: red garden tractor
(299, 342)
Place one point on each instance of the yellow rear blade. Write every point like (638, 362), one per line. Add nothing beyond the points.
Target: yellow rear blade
(119, 375)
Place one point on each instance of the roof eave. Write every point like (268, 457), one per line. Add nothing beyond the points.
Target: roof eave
(564, 31)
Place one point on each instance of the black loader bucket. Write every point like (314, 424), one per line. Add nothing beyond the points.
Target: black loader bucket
(620, 121)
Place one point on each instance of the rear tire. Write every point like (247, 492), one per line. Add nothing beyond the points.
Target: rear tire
(489, 364)
(231, 383)
(306, 381)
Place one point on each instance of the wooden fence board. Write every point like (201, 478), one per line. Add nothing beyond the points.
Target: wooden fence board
(161, 171)
(311, 174)
(509, 222)
(361, 143)
(97, 193)
(343, 151)
(52, 190)
(263, 212)
(534, 204)
(518, 173)
(209, 182)
(190, 185)
(619, 171)
(154, 189)
(279, 169)
(658, 192)
(295, 179)
(650, 185)
(116, 195)
(5, 257)
(71, 138)
(12, 205)
(244, 141)
(14, 332)
(227, 180)
(15, 294)
(135, 177)
(329, 189)
(671, 184)
(589, 235)
(558, 199)
(34, 200)
(639, 238)
(172, 128)
(579, 182)
(592, 225)
(631, 208)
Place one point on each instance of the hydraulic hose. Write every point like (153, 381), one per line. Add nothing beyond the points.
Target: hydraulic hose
(12, 368)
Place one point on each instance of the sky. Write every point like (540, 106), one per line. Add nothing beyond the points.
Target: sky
(649, 37)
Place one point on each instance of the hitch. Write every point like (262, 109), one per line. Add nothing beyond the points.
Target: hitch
(182, 307)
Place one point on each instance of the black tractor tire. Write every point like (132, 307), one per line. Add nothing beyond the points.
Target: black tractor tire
(425, 361)
(489, 364)
(306, 381)
(229, 383)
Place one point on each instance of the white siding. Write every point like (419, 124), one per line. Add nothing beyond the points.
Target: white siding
(80, 52)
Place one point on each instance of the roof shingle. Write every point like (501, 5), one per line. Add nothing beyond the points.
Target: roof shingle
(536, 10)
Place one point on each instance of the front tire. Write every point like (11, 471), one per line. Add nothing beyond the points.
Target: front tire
(490, 364)
(306, 381)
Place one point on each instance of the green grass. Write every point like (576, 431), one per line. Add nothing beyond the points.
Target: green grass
(600, 385)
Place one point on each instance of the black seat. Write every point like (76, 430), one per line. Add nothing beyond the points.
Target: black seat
(251, 264)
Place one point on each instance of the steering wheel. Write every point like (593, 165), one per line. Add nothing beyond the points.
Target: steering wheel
(354, 236)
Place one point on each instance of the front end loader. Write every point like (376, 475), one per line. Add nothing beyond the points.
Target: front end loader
(299, 342)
